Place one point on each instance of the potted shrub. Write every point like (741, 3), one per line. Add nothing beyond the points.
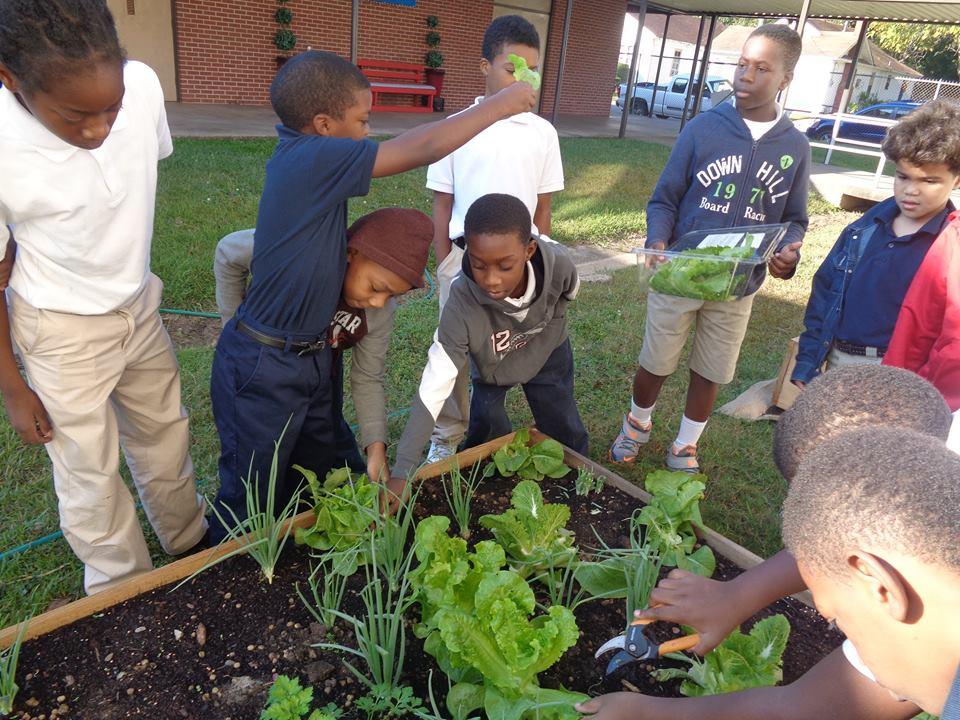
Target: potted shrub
(284, 39)
(434, 60)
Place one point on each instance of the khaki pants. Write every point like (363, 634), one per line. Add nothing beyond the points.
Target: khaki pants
(452, 421)
(107, 380)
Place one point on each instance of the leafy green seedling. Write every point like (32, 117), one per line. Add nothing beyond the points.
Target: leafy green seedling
(669, 519)
(587, 482)
(522, 71)
(545, 459)
(532, 533)
(288, 700)
(738, 663)
(345, 508)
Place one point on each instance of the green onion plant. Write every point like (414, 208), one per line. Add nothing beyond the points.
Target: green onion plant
(459, 491)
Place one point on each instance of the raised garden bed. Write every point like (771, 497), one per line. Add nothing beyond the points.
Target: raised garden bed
(211, 648)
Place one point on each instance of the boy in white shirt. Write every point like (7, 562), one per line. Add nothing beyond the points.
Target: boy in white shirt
(519, 156)
(81, 131)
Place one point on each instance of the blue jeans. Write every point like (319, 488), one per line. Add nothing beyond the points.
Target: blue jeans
(550, 395)
(255, 391)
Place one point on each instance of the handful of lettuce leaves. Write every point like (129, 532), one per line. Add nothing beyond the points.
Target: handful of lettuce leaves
(522, 72)
(689, 276)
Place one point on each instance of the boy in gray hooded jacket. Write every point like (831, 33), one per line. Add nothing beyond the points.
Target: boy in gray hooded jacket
(506, 315)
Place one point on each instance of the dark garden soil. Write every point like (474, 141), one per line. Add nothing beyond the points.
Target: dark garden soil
(211, 648)
(189, 331)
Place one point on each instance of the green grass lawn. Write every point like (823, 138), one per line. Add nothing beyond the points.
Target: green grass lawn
(211, 187)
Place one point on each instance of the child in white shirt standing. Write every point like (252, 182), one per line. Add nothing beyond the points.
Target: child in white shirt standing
(81, 131)
(519, 156)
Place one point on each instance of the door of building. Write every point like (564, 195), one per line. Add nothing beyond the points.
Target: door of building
(146, 31)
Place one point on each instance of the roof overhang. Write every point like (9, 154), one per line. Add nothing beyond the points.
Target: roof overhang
(924, 11)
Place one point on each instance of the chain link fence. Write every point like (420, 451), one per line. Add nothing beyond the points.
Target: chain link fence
(923, 90)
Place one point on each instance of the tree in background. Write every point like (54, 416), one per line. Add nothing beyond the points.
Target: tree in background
(934, 50)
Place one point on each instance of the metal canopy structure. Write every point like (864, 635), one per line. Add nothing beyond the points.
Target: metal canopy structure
(946, 12)
(919, 11)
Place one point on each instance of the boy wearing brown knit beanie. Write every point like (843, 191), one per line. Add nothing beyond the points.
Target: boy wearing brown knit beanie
(387, 252)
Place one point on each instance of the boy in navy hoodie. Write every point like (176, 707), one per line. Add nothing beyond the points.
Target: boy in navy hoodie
(734, 165)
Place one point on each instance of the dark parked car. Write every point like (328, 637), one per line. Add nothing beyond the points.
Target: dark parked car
(823, 129)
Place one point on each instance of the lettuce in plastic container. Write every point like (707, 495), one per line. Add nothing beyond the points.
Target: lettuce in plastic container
(522, 72)
(707, 279)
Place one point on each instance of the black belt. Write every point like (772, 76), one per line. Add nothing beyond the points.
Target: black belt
(862, 350)
(307, 347)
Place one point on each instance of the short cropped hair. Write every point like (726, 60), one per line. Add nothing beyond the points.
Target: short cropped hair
(314, 83)
(508, 30)
(498, 213)
(847, 398)
(927, 136)
(883, 488)
(786, 37)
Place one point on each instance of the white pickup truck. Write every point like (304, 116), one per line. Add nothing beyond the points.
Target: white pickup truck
(672, 95)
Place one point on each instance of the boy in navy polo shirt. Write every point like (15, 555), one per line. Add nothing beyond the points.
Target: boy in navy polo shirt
(273, 367)
(858, 290)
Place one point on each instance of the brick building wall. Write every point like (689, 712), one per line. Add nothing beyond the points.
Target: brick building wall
(225, 51)
(593, 45)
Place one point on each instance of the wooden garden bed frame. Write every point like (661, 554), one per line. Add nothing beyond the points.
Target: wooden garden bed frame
(180, 569)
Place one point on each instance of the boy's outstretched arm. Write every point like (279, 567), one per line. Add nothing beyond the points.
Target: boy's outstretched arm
(428, 143)
(715, 608)
(833, 689)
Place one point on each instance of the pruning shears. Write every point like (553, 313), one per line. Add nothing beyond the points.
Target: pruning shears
(635, 645)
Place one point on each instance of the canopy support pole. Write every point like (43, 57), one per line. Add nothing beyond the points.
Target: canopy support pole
(631, 80)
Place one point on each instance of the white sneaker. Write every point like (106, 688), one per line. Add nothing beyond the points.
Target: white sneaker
(441, 450)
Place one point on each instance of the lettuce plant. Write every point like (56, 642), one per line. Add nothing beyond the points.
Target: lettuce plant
(738, 663)
(288, 700)
(522, 71)
(476, 621)
(668, 521)
(699, 274)
(533, 533)
(545, 459)
(345, 508)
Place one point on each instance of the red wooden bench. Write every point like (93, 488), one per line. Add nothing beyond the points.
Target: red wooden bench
(394, 78)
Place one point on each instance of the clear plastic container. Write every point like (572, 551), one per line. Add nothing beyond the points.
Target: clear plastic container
(709, 264)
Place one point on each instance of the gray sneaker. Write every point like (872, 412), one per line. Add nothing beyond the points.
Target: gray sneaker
(683, 459)
(441, 450)
(627, 445)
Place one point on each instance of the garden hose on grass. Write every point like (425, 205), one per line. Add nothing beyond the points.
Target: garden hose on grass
(431, 284)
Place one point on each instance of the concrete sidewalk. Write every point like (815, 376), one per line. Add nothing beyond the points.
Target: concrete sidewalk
(199, 120)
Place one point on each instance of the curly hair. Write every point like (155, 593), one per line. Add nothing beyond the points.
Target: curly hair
(930, 135)
(847, 398)
(498, 213)
(507, 30)
(44, 40)
(879, 488)
(786, 37)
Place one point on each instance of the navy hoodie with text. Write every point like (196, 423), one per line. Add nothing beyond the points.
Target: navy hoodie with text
(718, 176)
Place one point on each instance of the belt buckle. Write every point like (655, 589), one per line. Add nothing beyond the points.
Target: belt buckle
(870, 352)
(312, 347)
